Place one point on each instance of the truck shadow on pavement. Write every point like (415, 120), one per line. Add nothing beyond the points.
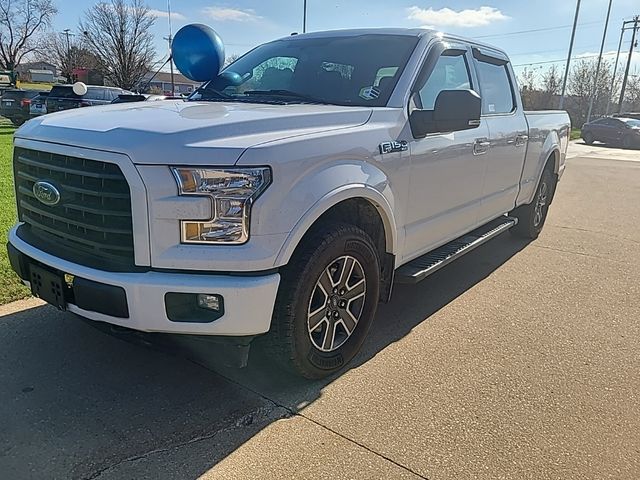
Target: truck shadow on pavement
(77, 403)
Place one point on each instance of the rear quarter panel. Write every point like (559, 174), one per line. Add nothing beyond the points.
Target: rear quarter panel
(548, 136)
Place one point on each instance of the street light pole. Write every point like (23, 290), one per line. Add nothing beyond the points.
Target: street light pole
(595, 80)
(626, 72)
(566, 71)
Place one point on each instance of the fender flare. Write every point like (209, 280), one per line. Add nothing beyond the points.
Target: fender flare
(324, 204)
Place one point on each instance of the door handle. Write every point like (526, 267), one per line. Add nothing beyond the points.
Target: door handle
(521, 140)
(481, 146)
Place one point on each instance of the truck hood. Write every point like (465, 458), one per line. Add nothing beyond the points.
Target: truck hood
(176, 132)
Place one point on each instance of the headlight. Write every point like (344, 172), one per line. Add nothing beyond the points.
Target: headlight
(232, 192)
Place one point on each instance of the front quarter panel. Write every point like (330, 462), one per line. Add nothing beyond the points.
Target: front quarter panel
(313, 173)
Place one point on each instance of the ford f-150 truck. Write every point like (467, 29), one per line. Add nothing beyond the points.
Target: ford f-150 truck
(282, 201)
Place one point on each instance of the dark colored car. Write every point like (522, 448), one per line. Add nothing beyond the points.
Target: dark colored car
(15, 104)
(635, 115)
(62, 97)
(612, 130)
(38, 105)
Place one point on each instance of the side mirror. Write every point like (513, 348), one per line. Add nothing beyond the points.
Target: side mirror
(454, 110)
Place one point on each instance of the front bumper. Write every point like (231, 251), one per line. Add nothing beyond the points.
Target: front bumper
(248, 300)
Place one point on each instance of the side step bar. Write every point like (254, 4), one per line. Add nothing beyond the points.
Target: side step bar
(420, 268)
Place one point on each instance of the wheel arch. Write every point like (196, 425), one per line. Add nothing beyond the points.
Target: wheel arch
(359, 205)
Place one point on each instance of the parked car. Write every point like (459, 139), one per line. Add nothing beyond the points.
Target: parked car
(62, 97)
(38, 104)
(142, 97)
(284, 203)
(15, 104)
(635, 115)
(612, 130)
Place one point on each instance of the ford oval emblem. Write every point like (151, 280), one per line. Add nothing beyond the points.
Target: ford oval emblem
(46, 193)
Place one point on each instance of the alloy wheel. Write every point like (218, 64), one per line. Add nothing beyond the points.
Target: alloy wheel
(336, 303)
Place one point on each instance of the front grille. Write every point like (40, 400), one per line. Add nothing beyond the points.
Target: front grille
(91, 224)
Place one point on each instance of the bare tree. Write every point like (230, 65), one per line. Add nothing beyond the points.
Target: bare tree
(528, 91)
(119, 35)
(67, 54)
(632, 94)
(231, 58)
(21, 23)
(580, 87)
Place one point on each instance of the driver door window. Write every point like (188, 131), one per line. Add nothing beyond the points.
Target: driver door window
(450, 73)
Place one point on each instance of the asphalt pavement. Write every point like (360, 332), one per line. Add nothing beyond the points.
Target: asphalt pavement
(520, 360)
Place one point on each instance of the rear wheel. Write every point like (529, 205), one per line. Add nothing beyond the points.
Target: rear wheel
(326, 301)
(531, 217)
(588, 138)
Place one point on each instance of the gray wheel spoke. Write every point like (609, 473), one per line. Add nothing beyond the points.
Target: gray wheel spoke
(356, 291)
(316, 318)
(349, 321)
(347, 270)
(325, 282)
(329, 336)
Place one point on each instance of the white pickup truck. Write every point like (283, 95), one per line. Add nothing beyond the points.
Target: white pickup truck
(282, 200)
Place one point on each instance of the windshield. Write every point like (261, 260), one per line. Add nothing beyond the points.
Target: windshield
(361, 71)
(631, 122)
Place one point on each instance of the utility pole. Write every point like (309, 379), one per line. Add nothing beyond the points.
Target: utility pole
(304, 17)
(170, 39)
(626, 72)
(595, 79)
(566, 70)
(615, 70)
(67, 33)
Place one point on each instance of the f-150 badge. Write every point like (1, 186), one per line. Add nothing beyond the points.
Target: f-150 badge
(391, 147)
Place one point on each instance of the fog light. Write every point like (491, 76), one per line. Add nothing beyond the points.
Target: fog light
(209, 301)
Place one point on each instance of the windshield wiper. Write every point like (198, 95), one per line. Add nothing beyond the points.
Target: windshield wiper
(288, 94)
(205, 90)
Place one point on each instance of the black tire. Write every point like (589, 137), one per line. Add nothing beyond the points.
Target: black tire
(531, 217)
(627, 141)
(588, 138)
(291, 339)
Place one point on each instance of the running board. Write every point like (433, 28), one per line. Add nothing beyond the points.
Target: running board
(420, 268)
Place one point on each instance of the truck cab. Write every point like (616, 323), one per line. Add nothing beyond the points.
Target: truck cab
(284, 199)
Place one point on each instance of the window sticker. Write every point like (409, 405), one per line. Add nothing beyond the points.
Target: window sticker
(492, 107)
(370, 93)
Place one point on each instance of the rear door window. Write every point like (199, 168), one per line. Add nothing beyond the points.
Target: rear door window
(495, 85)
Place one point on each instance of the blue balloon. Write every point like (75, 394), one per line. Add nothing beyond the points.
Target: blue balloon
(198, 52)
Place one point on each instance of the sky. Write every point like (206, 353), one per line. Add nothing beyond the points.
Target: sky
(534, 33)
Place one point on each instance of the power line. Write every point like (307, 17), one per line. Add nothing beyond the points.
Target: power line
(535, 30)
(561, 60)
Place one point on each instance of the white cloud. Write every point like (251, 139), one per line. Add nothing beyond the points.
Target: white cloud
(224, 14)
(162, 14)
(445, 17)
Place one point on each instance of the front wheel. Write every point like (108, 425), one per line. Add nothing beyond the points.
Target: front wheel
(531, 217)
(326, 302)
